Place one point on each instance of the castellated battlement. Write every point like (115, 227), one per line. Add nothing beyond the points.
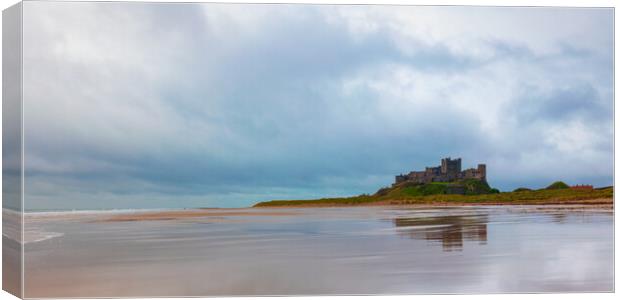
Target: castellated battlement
(448, 171)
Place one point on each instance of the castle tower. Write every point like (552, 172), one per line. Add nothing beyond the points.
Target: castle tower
(450, 166)
(482, 170)
(444, 165)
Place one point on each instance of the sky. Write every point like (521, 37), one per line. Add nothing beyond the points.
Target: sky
(159, 105)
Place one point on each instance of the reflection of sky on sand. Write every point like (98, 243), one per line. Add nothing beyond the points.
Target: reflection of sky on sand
(365, 250)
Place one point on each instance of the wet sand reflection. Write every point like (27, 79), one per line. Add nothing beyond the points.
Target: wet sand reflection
(310, 251)
(451, 231)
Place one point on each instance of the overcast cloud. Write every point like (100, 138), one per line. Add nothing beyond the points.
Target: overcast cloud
(195, 105)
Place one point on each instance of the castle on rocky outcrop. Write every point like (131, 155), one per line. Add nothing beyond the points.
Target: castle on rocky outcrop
(448, 171)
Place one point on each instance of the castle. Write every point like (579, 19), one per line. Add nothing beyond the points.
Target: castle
(448, 171)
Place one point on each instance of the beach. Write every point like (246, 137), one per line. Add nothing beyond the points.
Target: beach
(320, 251)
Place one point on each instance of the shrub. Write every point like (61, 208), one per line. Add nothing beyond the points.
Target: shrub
(558, 185)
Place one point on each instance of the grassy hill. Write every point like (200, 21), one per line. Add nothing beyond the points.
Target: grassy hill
(476, 193)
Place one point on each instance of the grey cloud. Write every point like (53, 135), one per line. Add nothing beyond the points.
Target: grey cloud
(201, 118)
(575, 101)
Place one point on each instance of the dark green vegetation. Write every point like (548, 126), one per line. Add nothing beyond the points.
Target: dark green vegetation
(465, 187)
(558, 185)
(475, 193)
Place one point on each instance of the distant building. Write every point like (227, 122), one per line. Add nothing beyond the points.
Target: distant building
(448, 171)
(586, 187)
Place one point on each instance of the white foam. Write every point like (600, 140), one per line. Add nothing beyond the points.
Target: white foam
(33, 237)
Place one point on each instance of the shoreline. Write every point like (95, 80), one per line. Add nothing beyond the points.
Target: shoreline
(221, 215)
(300, 204)
(273, 210)
(602, 202)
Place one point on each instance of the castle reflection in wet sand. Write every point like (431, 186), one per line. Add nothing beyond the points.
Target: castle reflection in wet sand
(450, 231)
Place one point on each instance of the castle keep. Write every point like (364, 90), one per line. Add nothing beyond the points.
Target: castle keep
(448, 171)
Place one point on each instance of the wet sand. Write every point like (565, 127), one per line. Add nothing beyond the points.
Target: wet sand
(320, 251)
(11, 251)
(281, 211)
(605, 204)
(193, 213)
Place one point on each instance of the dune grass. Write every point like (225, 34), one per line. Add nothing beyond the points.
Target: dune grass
(404, 195)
